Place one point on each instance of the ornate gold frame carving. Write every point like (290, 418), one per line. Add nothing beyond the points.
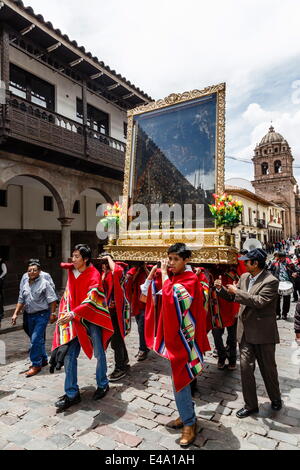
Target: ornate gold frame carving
(216, 245)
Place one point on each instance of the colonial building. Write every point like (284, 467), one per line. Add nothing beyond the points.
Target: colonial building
(63, 124)
(261, 219)
(274, 179)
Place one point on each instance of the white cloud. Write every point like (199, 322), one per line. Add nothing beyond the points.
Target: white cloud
(165, 47)
(287, 124)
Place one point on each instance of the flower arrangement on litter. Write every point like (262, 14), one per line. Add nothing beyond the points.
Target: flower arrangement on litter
(226, 210)
(111, 216)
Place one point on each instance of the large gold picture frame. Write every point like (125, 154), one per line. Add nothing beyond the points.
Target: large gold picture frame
(216, 243)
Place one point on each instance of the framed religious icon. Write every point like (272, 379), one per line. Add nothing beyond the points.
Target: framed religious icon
(174, 165)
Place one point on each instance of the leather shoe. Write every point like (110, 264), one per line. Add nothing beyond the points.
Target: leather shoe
(142, 355)
(244, 413)
(65, 402)
(100, 393)
(189, 434)
(33, 371)
(221, 364)
(175, 424)
(276, 405)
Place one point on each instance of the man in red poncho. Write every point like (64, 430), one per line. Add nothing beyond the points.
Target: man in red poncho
(224, 315)
(113, 279)
(136, 277)
(176, 329)
(84, 321)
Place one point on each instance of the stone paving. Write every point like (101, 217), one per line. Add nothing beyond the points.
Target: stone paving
(133, 414)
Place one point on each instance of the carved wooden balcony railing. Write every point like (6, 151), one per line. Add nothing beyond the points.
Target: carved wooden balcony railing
(34, 124)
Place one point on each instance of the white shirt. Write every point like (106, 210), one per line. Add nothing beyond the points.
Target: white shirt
(252, 280)
(76, 273)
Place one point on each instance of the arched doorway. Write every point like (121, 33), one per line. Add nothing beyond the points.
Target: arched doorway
(30, 228)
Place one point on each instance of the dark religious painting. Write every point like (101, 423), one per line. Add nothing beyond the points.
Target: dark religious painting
(174, 151)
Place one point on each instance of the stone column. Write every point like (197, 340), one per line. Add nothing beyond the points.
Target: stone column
(65, 244)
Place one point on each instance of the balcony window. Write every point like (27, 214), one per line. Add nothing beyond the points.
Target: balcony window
(76, 207)
(32, 88)
(97, 120)
(3, 198)
(48, 204)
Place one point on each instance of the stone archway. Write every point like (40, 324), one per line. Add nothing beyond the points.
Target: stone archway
(39, 174)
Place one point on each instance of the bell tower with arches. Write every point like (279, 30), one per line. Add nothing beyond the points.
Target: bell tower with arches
(274, 178)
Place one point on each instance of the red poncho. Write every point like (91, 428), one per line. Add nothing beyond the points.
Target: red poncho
(241, 268)
(135, 278)
(115, 290)
(85, 297)
(176, 326)
(223, 313)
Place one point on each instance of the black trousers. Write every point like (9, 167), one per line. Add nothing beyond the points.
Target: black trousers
(230, 349)
(286, 303)
(140, 320)
(296, 290)
(118, 344)
(264, 354)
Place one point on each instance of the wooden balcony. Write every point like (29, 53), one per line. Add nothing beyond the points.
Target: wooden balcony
(33, 125)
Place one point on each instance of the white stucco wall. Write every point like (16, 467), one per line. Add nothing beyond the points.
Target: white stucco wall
(66, 93)
(10, 216)
(26, 203)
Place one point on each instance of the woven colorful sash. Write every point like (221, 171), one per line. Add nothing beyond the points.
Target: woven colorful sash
(183, 301)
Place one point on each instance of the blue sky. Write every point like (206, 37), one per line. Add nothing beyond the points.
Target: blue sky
(166, 46)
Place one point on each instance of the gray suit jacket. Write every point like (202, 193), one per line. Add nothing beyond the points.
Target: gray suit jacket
(257, 315)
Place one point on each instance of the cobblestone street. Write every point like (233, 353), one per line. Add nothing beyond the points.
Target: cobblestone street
(133, 414)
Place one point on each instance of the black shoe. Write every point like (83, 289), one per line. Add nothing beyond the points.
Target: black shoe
(278, 317)
(221, 364)
(117, 374)
(284, 317)
(276, 405)
(65, 402)
(244, 413)
(142, 355)
(100, 393)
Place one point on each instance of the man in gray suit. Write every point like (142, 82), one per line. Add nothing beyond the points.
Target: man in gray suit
(257, 333)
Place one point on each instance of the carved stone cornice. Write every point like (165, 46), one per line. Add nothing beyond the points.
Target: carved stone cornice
(66, 221)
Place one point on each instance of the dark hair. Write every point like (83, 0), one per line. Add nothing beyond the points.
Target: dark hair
(181, 250)
(261, 264)
(85, 252)
(34, 262)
